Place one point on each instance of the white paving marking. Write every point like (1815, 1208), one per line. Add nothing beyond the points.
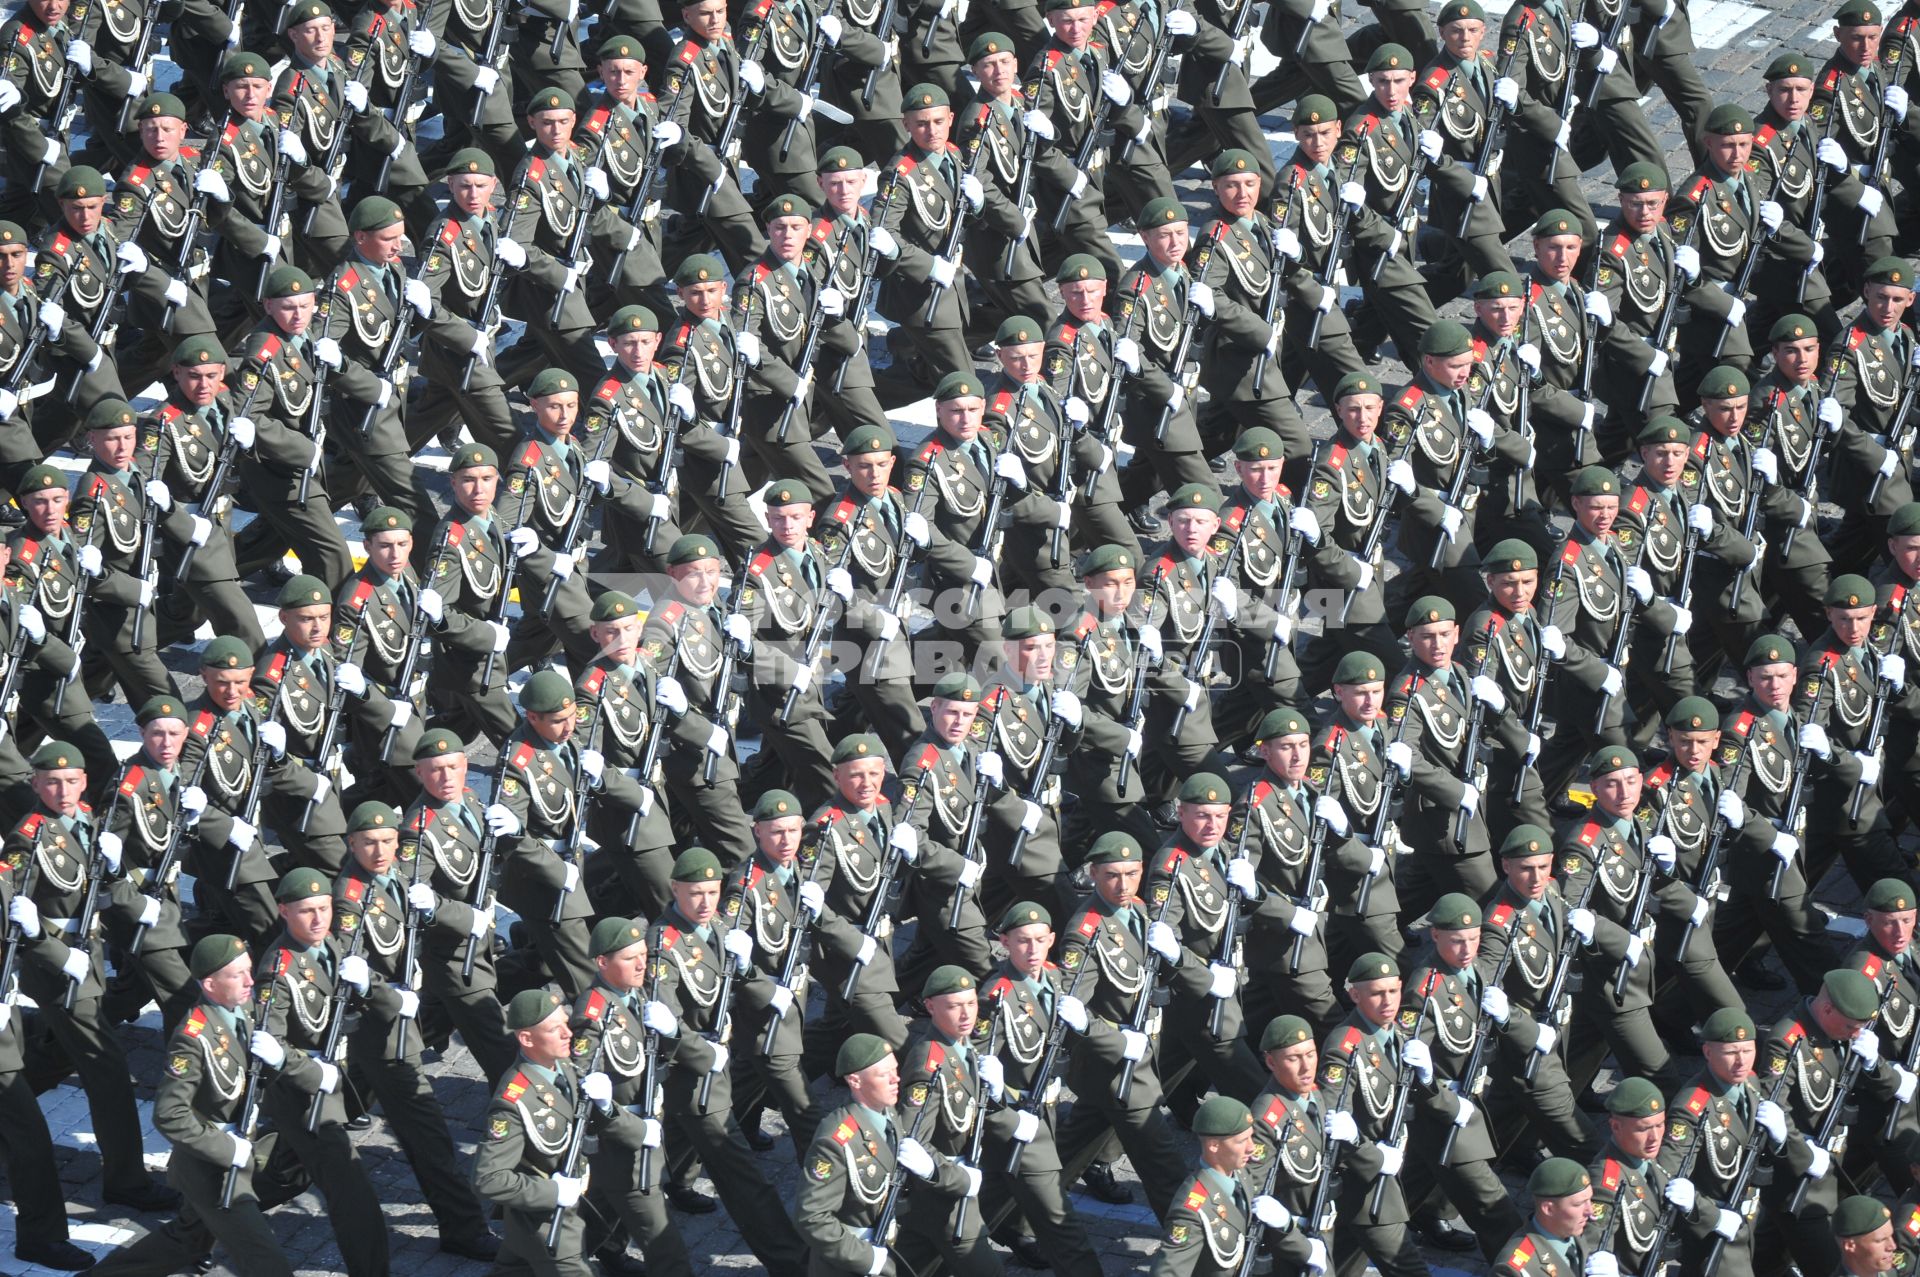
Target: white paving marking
(1718, 23)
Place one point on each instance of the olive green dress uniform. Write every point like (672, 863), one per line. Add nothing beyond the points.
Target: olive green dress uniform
(845, 1178)
(883, 686)
(107, 512)
(1853, 96)
(1876, 366)
(1787, 280)
(715, 806)
(1001, 250)
(226, 742)
(961, 484)
(150, 209)
(1590, 602)
(1310, 205)
(382, 1049)
(1109, 652)
(247, 154)
(451, 836)
(1280, 843)
(1208, 1228)
(837, 255)
(1455, 99)
(773, 300)
(711, 452)
(1348, 493)
(619, 713)
(469, 576)
(1326, 64)
(310, 100)
(687, 975)
(712, 83)
(1063, 84)
(532, 59)
(1533, 1253)
(299, 1013)
(1656, 517)
(376, 619)
(1079, 362)
(766, 906)
(83, 272)
(297, 688)
(1718, 214)
(940, 783)
(1381, 151)
(785, 591)
(1229, 118)
(1432, 712)
(1614, 848)
(544, 478)
(1608, 120)
(1845, 707)
(1371, 1054)
(1292, 1128)
(1136, 165)
(1719, 1116)
(855, 845)
(1017, 719)
(635, 404)
(1192, 882)
(45, 574)
(1177, 607)
(776, 144)
(37, 66)
(1242, 268)
(943, 1076)
(1558, 325)
(617, 138)
(1680, 805)
(1728, 482)
(461, 263)
(1028, 420)
(1428, 425)
(1266, 676)
(145, 813)
(1894, 981)
(1509, 503)
(551, 194)
(1635, 272)
(386, 156)
(1506, 646)
(921, 217)
(1351, 757)
(1784, 418)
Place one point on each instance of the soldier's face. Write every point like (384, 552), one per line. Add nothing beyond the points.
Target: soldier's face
(1111, 591)
(162, 136)
(952, 720)
(309, 920)
(697, 582)
(870, 472)
(1892, 929)
(163, 739)
(1725, 417)
(1072, 26)
(779, 839)
(618, 638)
(307, 627)
(556, 412)
(200, 384)
(878, 1085)
(1167, 244)
(1873, 1253)
(1459, 948)
(1858, 45)
(1378, 1000)
(1851, 624)
(706, 20)
(388, 552)
(375, 849)
(228, 689)
(1021, 361)
(789, 524)
(859, 781)
(293, 314)
(1192, 529)
(1392, 89)
(553, 129)
(635, 350)
(444, 778)
(1619, 792)
(13, 265)
(787, 236)
(1433, 643)
(61, 788)
(623, 77)
(699, 901)
(961, 418)
(1642, 210)
(1772, 685)
(1514, 591)
(312, 40)
(474, 488)
(1028, 947)
(1287, 755)
(84, 215)
(46, 509)
(1799, 361)
(1501, 315)
(1294, 1066)
(1556, 255)
(1261, 479)
(552, 725)
(1229, 1154)
(1905, 552)
(248, 96)
(1360, 701)
(1032, 658)
(929, 127)
(1117, 884)
(1665, 462)
(1596, 514)
(1692, 750)
(1316, 141)
(472, 192)
(998, 73)
(955, 1014)
(1528, 875)
(1360, 415)
(1462, 38)
(231, 985)
(624, 969)
(548, 1041)
(844, 190)
(114, 448)
(1565, 1216)
(1790, 96)
(1448, 371)
(1085, 298)
(1238, 193)
(1730, 1062)
(381, 247)
(1204, 823)
(1886, 303)
(1728, 150)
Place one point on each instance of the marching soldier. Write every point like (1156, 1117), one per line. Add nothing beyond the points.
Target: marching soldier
(1340, 515)
(468, 250)
(636, 399)
(965, 466)
(386, 605)
(1788, 411)
(1642, 267)
(1297, 1131)
(1511, 642)
(1720, 214)
(1328, 213)
(1854, 102)
(108, 510)
(1030, 702)
(1632, 1182)
(1351, 752)
(1875, 449)
(942, 777)
(781, 602)
(948, 1071)
(717, 84)
(1725, 1112)
(1554, 1237)
(153, 211)
(1885, 958)
(470, 576)
(1118, 654)
(1208, 1230)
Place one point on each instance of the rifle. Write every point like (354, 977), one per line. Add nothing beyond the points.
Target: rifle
(1707, 884)
(1462, 474)
(217, 482)
(650, 1101)
(1796, 793)
(489, 317)
(1830, 1122)
(116, 272)
(897, 1180)
(1403, 217)
(403, 97)
(816, 635)
(1476, 724)
(810, 75)
(1912, 1058)
(1876, 731)
(1661, 338)
(1023, 188)
(396, 342)
(1736, 287)
(1136, 711)
(1310, 886)
(507, 569)
(316, 424)
(196, 208)
(980, 1134)
(1812, 489)
(970, 874)
(1036, 1096)
(256, 787)
(1330, 268)
(163, 871)
(409, 962)
(665, 479)
(1655, 1260)
(1390, 781)
(1750, 521)
(1899, 437)
(576, 529)
(10, 965)
(36, 337)
(816, 320)
(1636, 918)
(1185, 375)
(883, 31)
(897, 584)
(1230, 928)
(736, 402)
(1156, 72)
(16, 649)
(276, 208)
(1816, 207)
(879, 901)
(59, 122)
(336, 1028)
(1369, 550)
(722, 1022)
(1037, 782)
(1397, 1124)
(334, 162)
(1622, 636)
(487, 875)
(1274, 313)
(577, 1134)
(870, 265)
(1194, 668)
(149, 534)
(1104, 429)
(1493, 142)
(1563, 968)
(1689, 551)
(1877, 167)
(330, 732)
(950, 250)
(1090, 145)
(1467, 1085)
(1242, 21)
(724, 144)
(90, 907)
(799, 938)
(490, 57)
(416, 643)
(726, 709)
(636, 211)
(249, 1117)
(573, 848)
(1321, 1217)
(1749, 1162)
(575, 255)
(1149, 975)
(83, 587)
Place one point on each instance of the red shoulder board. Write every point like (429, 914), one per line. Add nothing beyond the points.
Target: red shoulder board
(596, 1005)
(362, 591)
(268, 348)
(356, 890)
(1660, 775)
(760, 271)
(1001, 402)
(999, 988)
(844, 1132)
(597, 122)
(61, 243)
(761, 562)
(689, 52)
(1913, 1219)
(98, 486)
(843, 512)
(191, 152)
(1898, 597)
(672, 612)
(456, 533)
(1236, 517)
(139, 174)
(195, 1023)
(1407, 686)
(1411, 397)
(278, 668)
(170, 414)
(1196, 1196)
(531, 456)
(1437, 78)
(1610, 1174)
(1571, 554)
(936, 1055)
(1794, 1033)
(1870, 968)
(1087, 626)
(1854, 337)
(1067, 331)
(1349, 1040)
(347, 279)
(516, 1088)
(522, 756)
(609, 390)
(31, 825)
(823, 230)
(1522, 1255)
(1903, 26)
(1833, 78)
(26, 34)
(1502, 914)
(1368, 124)
(1830, 658)
(1764, 134)
(1164, 566)
(1698, 1101)
(449, 232)
(1174, 858)
(282, 961)
(1743, 724)
(203, 724)
(1089, 923)
(905, 164)
(928, 760)
(1620, 247)
(1300, 174)
(932, 449)
(28, 551)
(1479, 349)
(1701, 185)
(1701, 445)
(1428, 985)
(1638, 501)
(1053, 57)
(421, 820)
(536, 169)
(1261, 789)
(1337, 456)
(131, 781)
(594, 681)
(1276, 1109)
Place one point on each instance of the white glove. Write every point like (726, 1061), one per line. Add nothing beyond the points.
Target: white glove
(421, 42)
(1181, 24)
(1241, 878)
(501, 821)
(1450, 521)
(1771, 215)
(1417, 1056)
(1731, 809)
(1339, 1126)
(241, 835)
(1469, 801)
(721, 1058)
(567, 1190)
(1038, 123)
(1830, 153)
(1640, 584)
(839, 584)
(420, 896)
(418, 296)
(1602, 1264)
(1464, 1113)
(598, 1087)
(1303, 922)
(1727, 1224)
(1766, 465)
(1889, 462)
(351, 678)
(1226, 596)
(486, 79)
(1599, 308)
(830, 28)
(1682, 618)
(1686, 260)
(1585, 36)
(1391, 1158)
(1494, 1003)
(9, 98)
(1821, 1162)
(1200, 297)
(80, 53)
(884, 243)
(1830, 413)
(1271, 1213)
(267, 1049)
(77, 965)
(1661, 848)
(1066, 708)
(1306, 523)
(1895, 100)
(1115, 86)
(1893, 671)
(1772, 1119)
(563, 565)
(109, 846)
(1488, 693)
(916, 528)
(1133, 1045)
(1866, 1045)
(942, 272)
(1813, 738)
(972, 192)
(753, 76)
(523, 541)
(354, 971)
(481, 922)
(833, 303)
(1317, 1258)
(1580, 921)
(91, 561)
(1548, 1039)
(1529, 355)
(1072, 1012)
(1431, 145)
(1610, 685)
(658, 1018)
(1507, 93)
(1353, 195)
(209, 183)
(1400, 757)
(914, 1159)
(327, 351)
(1222, 980)
(23, 913)
(1871, 201)
(1365, 570)
(1904, 1088)
(1161, 940)
(1400, 475)
(1286, 243)
(749, 347)
(1700, 518)
(356, 95)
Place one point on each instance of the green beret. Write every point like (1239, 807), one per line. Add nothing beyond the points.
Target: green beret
(1455, 911)
(1725, 382)
(1498, 283)
(1769, 649)
(56, 755)
(242, 65)
(1194, 496)
(1858, 13)
(82, 181)
(1596, 481)
(1792, 327)
(696, 864)
(1205, 787)
(1105, 558)
(1729, 119)
(110, 414)
(947, 979)
(196, 352)
(924, 97)
(988, 43)
(547, 692)
(43, 478)
(1890, 895)
(1642, 176)
(1849, 591)
(1557, 221)
(550, 99)
(1221, 1116)
(473, 455)
(957, 686)
(1258, 444)
(1664, 430)
(12, 233)
(386, 518)
(1359, 667)
(1905, 521)
(1019, 330)
(1284, 1031)
(213, 953)
(1358, 383)
(859, 1052)
(1459, 11)
(1055, 6)
(1852, 994)
(303, 591)
(691, 548)
(373, 815)
(862, 440)
(1372, 966)
(1162, 210)
(788, 205)
(778, 804)
(1788, 65)
(226, 653)
(633, 319)
(1890, 270)
(614, 605)
(1026, 623)
(302, 884)
(611, 935)
(1077, 267)
(1114, 848)
(438, 742)
(1392, 57)
(1526, 840)
(159, 707)
(700, 268)
(1860, 1215)
(1445, 339)
(160, 106)
(858, 747)
(375, 213)
(1558, 1177)
(1315, 108)
(840, 159)
(1024, 914)
(1636, 1097)
(287, 281)
(960, 385)
(1728, 1024)
(1511, 555)
(621, 46)
(468, 162)
(1233, 160)
(1693, 714)
(307, 11)
(531, 1007)
(1284, 721)
(1429, 609)
(553, 381)
(789, 492)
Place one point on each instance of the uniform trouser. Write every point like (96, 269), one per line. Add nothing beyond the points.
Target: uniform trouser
(1040, 1197)
(1396, 304)
(75, 723)
(473, 1004)
(523, 1247)
(1677, 75)
(328, 1155)
(643, 873)
(562, 946)
(1271, 990)
(248, 907)
(1628, 1034)
(94, 1048)
(1085, 231)
(378, 465)
(1224, 1057)
(1297, 77)
(455, 693)
(1868, 848)
(752, 1202)
(284, 522)
(563, 625)
(768, 456)
(1155, 463)
(418, 1124)
(776, 1078)
(1506, 812)
(870, 1010)
(1806, 1238)
(730, 519)
(1575, 734)
(481, 406)
(1455, 261)
(926, 1237)
(617, 1194)
(226, 607)
(1472, 1187)
(1143, 1132)
(852, 403)
(800, 742)
(715, 808)
(1226, 418)
(1350, 935)
(1389, 1247)
(165, 974)
(185, 1240)
(1701, 977)
(1797, 930)
(727, 225)
(26, 1145)
(891, 710)
(137, 669)
(936, 943)
(1616, 126)
(1329, 357)
(1542, 1106)
(323, 844)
